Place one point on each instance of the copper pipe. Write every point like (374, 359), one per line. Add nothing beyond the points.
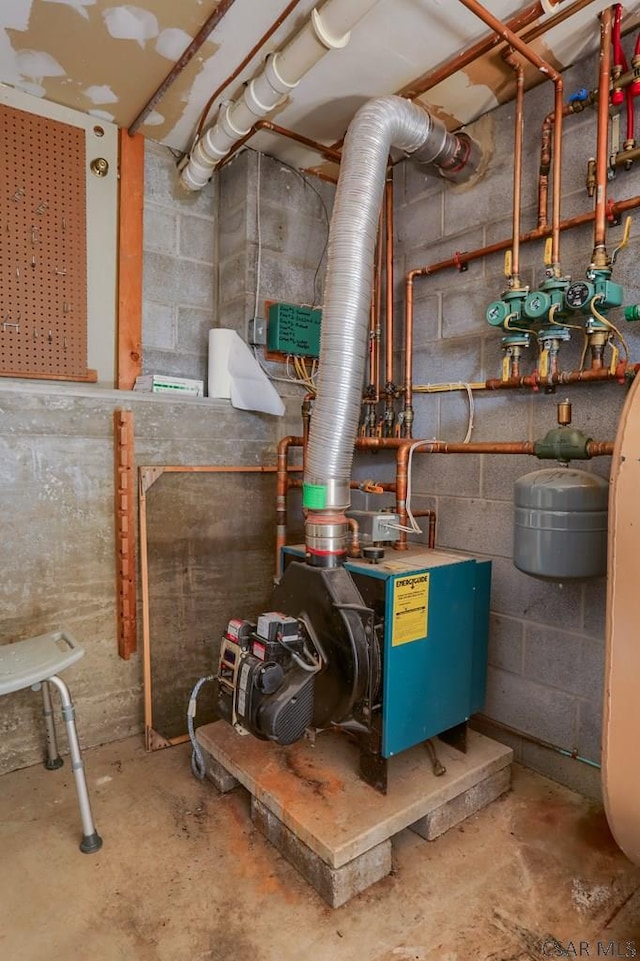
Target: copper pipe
(461, 60)
(249, 57)
(594, 448)
(381, 488)
(320, 174)
(432, 530)
(515, 282)
(210, 24)
(388, 335)
(462, 258)
(552, 74)
(556, 19)
(320, 148)
(599, 256)
(431, 537)
(408, 348)
(444, 447)
(556, 193)
(545, 161)
(403, 447)
(354, 547)
(517, 23)
(505, 33)
(283, 482)
(564, 377)
(372, 335)
(378, 314)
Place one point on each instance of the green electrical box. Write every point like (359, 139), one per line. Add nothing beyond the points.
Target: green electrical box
(294, 330)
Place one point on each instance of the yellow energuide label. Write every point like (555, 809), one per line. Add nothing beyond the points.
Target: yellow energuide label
(410, 608)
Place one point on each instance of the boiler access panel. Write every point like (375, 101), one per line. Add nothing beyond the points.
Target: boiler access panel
(435, 606)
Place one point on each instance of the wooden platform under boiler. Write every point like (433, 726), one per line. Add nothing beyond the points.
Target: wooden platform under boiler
(335, 829)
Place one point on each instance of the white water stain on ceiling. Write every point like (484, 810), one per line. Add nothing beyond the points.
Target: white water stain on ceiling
(108, 58)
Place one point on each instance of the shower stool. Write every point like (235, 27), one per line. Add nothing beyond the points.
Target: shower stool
(36, 663)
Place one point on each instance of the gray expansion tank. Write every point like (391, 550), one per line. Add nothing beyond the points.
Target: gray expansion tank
(560, 530)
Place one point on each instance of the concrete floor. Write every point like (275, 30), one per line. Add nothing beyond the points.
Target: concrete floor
(184, 876)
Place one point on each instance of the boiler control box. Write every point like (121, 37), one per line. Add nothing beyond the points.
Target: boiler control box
(294, 330)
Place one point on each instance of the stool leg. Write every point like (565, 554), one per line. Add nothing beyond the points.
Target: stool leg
(91, 840)
(54, 761)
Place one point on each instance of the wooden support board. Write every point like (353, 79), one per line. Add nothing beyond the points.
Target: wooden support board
(125, 499)
(621, 722)
(130, 259)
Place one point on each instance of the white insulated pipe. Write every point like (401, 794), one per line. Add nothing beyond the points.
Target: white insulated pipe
(379, 125)
(327, 29)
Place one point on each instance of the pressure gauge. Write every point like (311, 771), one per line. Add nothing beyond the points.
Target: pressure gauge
(578, 295)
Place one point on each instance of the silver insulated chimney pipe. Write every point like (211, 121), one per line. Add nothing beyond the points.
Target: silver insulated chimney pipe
(379, 125)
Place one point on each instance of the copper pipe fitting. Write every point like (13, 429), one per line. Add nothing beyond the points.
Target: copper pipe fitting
(514, 280)
(599, 256)
(549, 73)
(283, 482)
(388, 222)
(564, 377)
(354, 547)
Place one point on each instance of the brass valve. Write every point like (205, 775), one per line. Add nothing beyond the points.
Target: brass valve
(564, 413)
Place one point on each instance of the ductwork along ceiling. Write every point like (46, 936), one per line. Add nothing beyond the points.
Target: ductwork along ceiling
(108, 59)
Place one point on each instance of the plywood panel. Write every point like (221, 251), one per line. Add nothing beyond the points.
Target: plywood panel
(43, 260)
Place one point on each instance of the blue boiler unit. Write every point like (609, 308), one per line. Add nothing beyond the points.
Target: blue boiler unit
(393, 652)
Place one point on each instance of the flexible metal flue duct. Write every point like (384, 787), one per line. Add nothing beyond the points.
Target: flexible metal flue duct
(377, 127)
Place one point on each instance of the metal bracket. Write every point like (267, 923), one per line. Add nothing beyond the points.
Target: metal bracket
(461, 264)
(612, 216)
(154, 741)
(148, 476)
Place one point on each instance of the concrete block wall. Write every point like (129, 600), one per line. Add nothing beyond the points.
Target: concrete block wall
(273, 229)
(211, 540)
(547, 639)
(180, 275)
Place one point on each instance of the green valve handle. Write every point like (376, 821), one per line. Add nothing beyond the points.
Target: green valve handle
(632, 312)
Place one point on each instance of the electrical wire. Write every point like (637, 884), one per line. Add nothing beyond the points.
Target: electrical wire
(198, 764)
(443, 388)
(259, 251)
(560, 323)
(413, 527)
(604, 320)
(472, 410)
(280, 380)
(509, 326)
(585, 348)
(307, 182)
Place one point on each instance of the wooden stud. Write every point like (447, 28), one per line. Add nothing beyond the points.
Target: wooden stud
(125, 534)
(130, 259)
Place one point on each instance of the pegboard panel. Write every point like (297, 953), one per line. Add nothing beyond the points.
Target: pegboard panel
(43, 258)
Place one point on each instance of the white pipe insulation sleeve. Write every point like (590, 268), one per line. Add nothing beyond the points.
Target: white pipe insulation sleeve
(327, 29)
(379, 125)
